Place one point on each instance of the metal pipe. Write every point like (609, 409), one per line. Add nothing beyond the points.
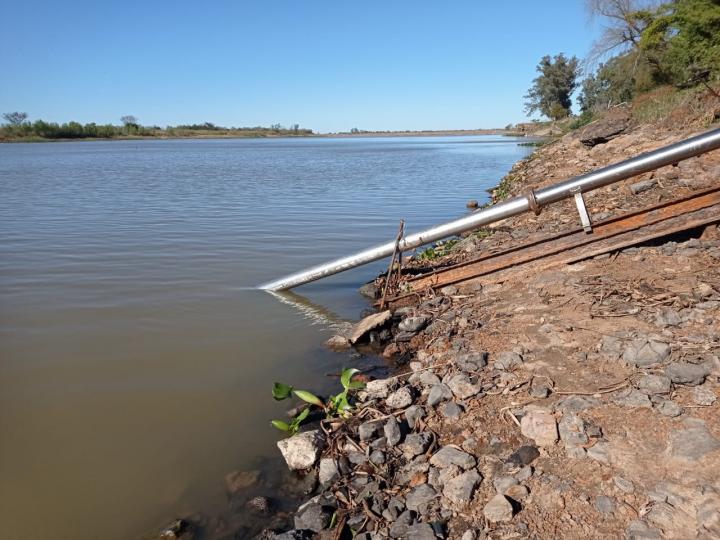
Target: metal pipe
(667, 155)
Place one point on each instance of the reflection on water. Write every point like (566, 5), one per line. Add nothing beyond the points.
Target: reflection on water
(135, 357)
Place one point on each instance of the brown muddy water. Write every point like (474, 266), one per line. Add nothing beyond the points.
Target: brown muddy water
(136, 359)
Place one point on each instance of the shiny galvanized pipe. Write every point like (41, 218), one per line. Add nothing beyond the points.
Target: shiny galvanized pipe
(661, 157)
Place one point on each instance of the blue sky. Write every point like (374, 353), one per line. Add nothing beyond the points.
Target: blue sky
(327, 65)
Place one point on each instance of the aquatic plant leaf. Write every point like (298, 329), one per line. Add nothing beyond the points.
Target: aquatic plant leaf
(282, 426)
(356, 385)
(281, 391)
(308, 397)
(302, 415)
(347, 375)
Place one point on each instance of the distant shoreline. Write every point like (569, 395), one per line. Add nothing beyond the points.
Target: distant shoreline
(343, 135)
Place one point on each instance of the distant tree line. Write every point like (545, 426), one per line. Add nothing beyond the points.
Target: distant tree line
(17, 126)
(645, 44)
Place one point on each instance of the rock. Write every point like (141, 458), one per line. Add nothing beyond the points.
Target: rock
(327, 472)
(399, 527)
(370, 290)
(471, 362)
(238, 481)
(654, 384)
(448, 455)
(524, 473)
(503, 483)
(416, 444)
(606, 129)
(508, 360)
(451, 410)
(605, 505)
(414, 414)
(461, 488)
(639, 530)
(669, 408)
(517, 492)
(644, 353)
(472, 203)
(302, 450)
(449, 290)
(175, 530)
(438, 393)
(313, 516)
(463, 387)
(623, 484)
(259, 505)
(369, 430)
(685, 373)
(369, 323)
(539, 426)
(668, 317)
(377, 457)
(356, 458)
(421, 531)
(524, 455)
(338, 343)
(539, 389)
(498, 510)
(629, 397)
(572, 430)
(392, 431)
(693, 442)
(424, 379)
(600, 451)
(574, 404)
(420, 498)
(378, 389)
(703, 396)
(399, 399)
(640, 187)
(468, 535)
(413, 324)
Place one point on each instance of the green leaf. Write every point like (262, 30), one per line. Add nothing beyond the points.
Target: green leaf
(281, 391)
(356, 385)
(308, 397)
(302, 415)
(282, 426)
(347, 375)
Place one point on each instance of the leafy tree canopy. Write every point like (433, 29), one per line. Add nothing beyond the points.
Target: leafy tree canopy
(551, 90)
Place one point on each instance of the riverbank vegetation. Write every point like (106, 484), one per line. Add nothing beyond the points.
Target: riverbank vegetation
(17, 127)
(653, 54)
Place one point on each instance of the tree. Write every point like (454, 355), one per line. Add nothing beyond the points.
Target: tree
(15, 118)
(129, 120)
(551, 90)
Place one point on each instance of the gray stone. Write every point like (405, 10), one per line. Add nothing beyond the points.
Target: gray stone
(669, 408)
(451, 410)
(605, 505)
(302, 450)
(524, 474)
(378, 389)
(668, 317)
(629, 397)
(574, 404)
(368, 323)
(623, 484)
(639, 530)
(416, 444)
(463, 387)
(524, 455)
(468, 535)
(393, 435)
(572, 430)
(420, 498)
(424, 378)
(448, 455)
(461, 488)
(604, 130)
(369, 430)
(600, 451)
(313, 516)
(498, 510)
(399, 527)
(369, 290)
(413, 415)
(654, 384)
(685, 373)
(503, 483)
(471, 362)
(704, 396)
(413, 324)
(539, 426)
(693, 442)
(338, 343)
(327, 472)
(399, 399)
(377, 457)
(449, 290)
(539, 389)
(508, 360)
(517, 492)
(356, 458)
(640, 187)
(438, 393)
(644, 352)
(421, 531)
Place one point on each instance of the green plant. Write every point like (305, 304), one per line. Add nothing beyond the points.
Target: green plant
(337, 405)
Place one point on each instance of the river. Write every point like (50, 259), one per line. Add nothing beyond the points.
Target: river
(136, 358)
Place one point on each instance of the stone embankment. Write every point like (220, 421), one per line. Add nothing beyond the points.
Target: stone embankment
(579, 401)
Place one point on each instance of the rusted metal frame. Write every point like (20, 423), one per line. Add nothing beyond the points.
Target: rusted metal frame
(541, 249)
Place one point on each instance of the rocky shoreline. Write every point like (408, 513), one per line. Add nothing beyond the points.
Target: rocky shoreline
(580, 400)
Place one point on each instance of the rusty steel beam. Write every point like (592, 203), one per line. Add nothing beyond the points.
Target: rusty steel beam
(682, 209)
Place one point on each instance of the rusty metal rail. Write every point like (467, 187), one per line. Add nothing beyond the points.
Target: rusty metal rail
(660, 220)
